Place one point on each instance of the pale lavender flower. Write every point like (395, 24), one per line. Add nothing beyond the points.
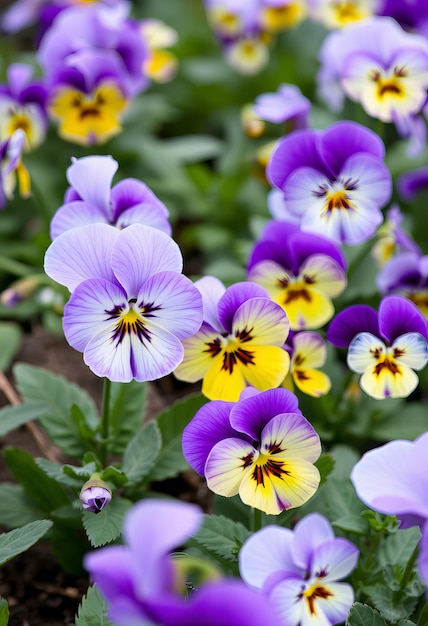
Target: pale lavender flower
(286, 104)
(298, 570)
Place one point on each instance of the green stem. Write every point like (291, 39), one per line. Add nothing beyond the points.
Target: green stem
(14, 267)
(105, 416)
(256, 519)
(409, 567)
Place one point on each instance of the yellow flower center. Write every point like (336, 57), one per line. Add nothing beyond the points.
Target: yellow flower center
(231, 350)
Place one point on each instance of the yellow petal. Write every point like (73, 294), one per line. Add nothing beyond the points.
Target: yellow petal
(312, 382)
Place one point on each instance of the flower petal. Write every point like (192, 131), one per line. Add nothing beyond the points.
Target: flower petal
(311, 381)
(147, 214)
(351, 321)
(292, 436)
(234, 297)
(221, 383)
(323, 272)
(212, 289)
(309, 350)
(388, 384)
(91, 177)
(333, 560)
(81, 253)
(141, 252)
(309, 533)
(398, 315)
(209, 426)
(364, 350)
(264, 321)
(75, 214)
(226, 466)
(411, 349)
(332, 607)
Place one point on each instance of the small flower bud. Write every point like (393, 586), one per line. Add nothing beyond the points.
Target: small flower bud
(95, 494)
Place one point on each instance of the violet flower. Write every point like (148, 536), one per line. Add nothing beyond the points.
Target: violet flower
(298, 571)
(385, 346)
(400, 486)
(23, 105)
(406, 274)
(95, 494)
(144, 584)
(91, 198)
(410, 14)
(392, 238)
(12, 168)
(239, 342)
(334, 14)
(128, 296)
(334, 181)
(260, 447)
(286, 104)
(300, 271)
(411, 183)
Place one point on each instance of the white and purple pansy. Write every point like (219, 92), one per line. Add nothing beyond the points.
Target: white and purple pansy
(126, 311)
(385, 346)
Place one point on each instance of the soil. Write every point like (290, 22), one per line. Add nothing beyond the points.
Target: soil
(38, 591)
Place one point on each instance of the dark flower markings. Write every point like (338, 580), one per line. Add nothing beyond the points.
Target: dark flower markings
(296, 293)
(270, 468)
(386, 362)
(132, 321)
(317, 591)
(88, 109)
(230, 359)
(336, 199)
(389, 85)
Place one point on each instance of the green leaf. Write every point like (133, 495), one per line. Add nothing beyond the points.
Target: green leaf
(352, 524)
(325, 465)
(37, 385)
(221, 536)
(56, 471)
(13, 416)
(171, 422)
(127, 404)
(4, 612)
(407, 423)
(10, 340)
(364, 615)
(16, 508)
(113, 475)
(92, 610)
(44, 492)
(16, 541)
(105, 526)
(141, 453)
(392, 607)
(406, 622)
(193, 148)
(423, 616)
(397, 548)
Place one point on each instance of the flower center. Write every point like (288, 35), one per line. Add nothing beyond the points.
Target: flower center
(312, 593)
(337, 196)
(231, 350)
(265, 466)
(389, 86)
(131, 321)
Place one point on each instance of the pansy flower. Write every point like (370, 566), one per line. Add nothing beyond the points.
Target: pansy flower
(412, 182)
(91, 198)
(340, 13)
(400, 488)
(23, 105)
(411, 15)
(307, 352)
(385, 346)
(12, 168)
(407, 275)
(392, 238)
(279, 15)
(301, 272)
(161, 64)
(143, 583)
(130, 305)
(239, 342)
(376, 63)
(299, 571)
(333, 181)
(260, 447)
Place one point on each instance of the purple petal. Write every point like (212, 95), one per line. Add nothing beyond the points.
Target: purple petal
(209, 426)
(75, 214)
(140, 252)
(251, 415)
(299, 149)
(401, 272)
(111, 569)
(411, 183)
(131, 192)
(334, 559)
(91, 177)
(288, 102)
(423, 555)
(398, 316)
(150, 536)
(211, 289)
(147, 214)
(309, 533)
(264, 553)
(82, 253)
(232, 299)
(351, 321)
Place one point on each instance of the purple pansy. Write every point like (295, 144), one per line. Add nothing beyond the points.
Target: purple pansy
(91, 198)
(393, 480)
(301, 271)
(23, 105)
(298, 570)
(286, 104)
(11, 167)
(410, 14)
(260, 447)
(130, 305)
(410, 183)
(385, 346)
(406, 274)
(333, 181)
(143, 584)
(392, 238)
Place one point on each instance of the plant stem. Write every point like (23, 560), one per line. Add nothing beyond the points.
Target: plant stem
(256, 519)
(14, 267)
(105, 416)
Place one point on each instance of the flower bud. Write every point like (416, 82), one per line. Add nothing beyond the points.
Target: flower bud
(95, 494)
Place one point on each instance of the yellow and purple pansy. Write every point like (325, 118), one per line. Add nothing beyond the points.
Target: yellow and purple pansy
(301, 271)
(385, 346)
(308, 352)
(239, 343)
(260, 447)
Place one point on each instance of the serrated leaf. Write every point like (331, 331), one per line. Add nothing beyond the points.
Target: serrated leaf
(16, 509)
(12, 417)
(397, 548)
(423, 616)
(55, 471)
(127, 405)
(4, 612)
(220, 535)
(393, 608)
(44, 492)
(406, 622)
(171, 422)
(141, 453)
(115, 476)
(10, 340)
(84, 472)
(16, 541)
(105, 526)
(364, 615)
(92, 610)
(37, 385)
(352, 524)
